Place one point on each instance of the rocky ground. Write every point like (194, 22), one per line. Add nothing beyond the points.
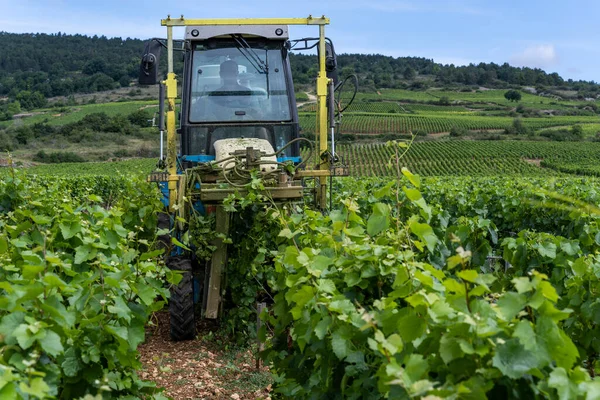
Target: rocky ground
(209, 367)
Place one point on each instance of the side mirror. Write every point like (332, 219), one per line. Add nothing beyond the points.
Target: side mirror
(150, 61)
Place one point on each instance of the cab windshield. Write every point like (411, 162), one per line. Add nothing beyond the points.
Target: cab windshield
(231, 83)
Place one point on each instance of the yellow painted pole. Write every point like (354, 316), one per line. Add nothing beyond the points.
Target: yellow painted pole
(321, 137)
(171, 94)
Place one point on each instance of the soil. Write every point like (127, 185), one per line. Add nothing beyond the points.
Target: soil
(534, 161)
(209, 367)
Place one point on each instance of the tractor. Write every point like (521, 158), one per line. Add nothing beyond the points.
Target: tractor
(237, 118)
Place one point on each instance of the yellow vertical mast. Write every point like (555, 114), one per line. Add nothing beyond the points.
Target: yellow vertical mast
(171, 94)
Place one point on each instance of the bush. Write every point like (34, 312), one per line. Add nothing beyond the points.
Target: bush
(444, 101)
(353, 312)
(457, 131)
(517, 128)
(72, 330)
(6, 143)
(563, 135)
(577, 131)
(512, 95)
(140, 117)
(57, 157)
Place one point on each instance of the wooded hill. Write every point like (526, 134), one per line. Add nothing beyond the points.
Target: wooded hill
(37, 66)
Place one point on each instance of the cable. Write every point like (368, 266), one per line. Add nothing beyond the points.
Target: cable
(341, 85)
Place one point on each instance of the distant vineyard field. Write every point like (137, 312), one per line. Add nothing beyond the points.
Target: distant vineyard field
(473, 158)
(435, 123)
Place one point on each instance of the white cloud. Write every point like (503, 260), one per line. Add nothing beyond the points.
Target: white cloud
(537, 56)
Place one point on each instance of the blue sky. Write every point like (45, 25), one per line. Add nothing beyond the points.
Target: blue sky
(556, 36)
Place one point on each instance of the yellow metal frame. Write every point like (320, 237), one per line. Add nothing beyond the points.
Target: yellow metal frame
(322, 85)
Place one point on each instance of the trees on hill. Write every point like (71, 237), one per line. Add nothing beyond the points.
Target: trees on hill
(60, 65)
(512, 95)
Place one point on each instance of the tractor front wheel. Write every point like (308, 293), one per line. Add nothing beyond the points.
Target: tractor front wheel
(181, 303)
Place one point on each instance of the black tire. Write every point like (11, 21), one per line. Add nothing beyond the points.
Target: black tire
(181, 303)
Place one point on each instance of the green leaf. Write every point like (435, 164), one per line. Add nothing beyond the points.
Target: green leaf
(510, 304)
(37, 388)
(82, 254)
(70, 229)
(8, 390)
(41, 219)
(343, 306)
(547, 250)
(120, 308)
(416, 367)
(135, 336)
(454, 261)
(560, 381)
(523, 285)
(51, 343)
(513, 360)
(322, 327)
(24, 336)
(548, 291)
(179, 244)
(412, 194)
(32, 271)
(377, 224)
(147, 294)
(54, 281)
(571, 247)
(286, 233)
(339, 345)
(151, 254)
(10, 322)
(425, 233)
(71, 364)
(469, 275)
(411, 326)
(326, 285)
(414, 179)
(558, 344)
(318, 265)
(449, 349)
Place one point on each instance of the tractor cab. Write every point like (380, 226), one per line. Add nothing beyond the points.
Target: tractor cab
(237, 84)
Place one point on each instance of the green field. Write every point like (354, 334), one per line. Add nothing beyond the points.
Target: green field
(368, 124)
(474, 158)
(431, 158)
(399, 111)
(128, 168)
(68, 114)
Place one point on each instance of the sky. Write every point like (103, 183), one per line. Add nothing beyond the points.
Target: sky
(556, 36)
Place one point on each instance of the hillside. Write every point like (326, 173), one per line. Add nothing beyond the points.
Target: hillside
(34, 67)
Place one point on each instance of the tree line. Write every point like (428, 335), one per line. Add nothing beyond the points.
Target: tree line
(36, 66)
(378, 71)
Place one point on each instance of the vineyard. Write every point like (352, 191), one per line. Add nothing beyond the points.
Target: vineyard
(430, 158)
(434, 123)
(399, 297)
(471, 276)
(435, 111)
(474, 158)
(404, 292)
